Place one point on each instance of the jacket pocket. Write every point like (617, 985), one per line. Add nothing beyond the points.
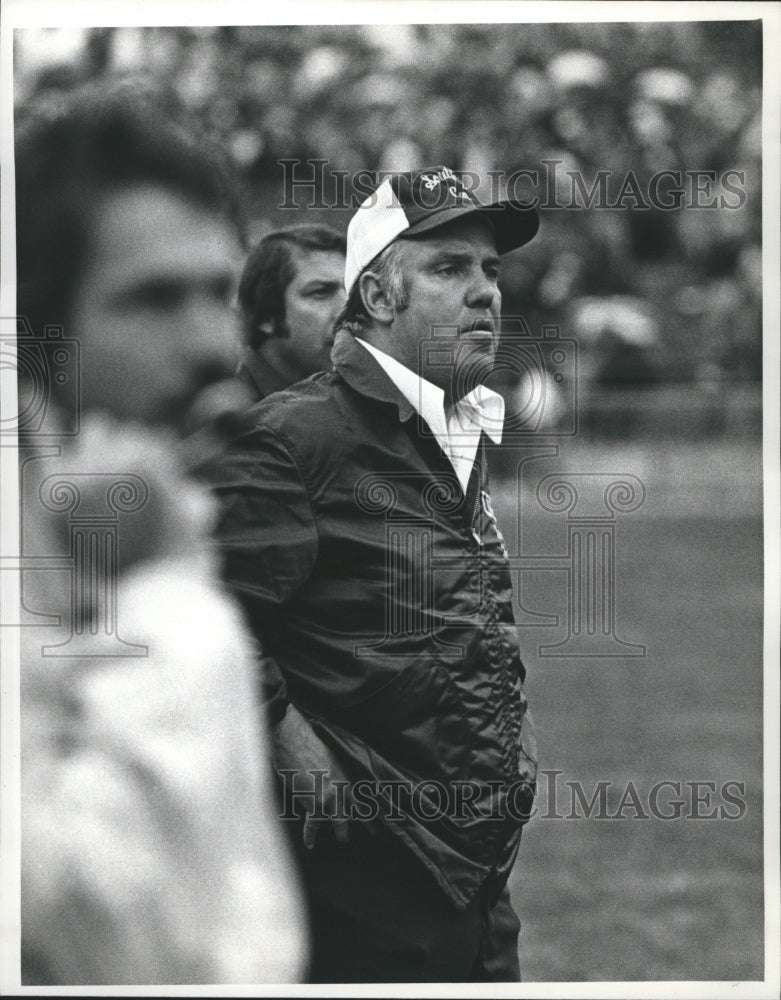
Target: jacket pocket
(416, 720)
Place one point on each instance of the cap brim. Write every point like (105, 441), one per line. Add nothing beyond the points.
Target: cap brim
(514, 224)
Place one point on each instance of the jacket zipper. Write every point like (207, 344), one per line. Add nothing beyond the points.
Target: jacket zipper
(475, 533)
(478, 497)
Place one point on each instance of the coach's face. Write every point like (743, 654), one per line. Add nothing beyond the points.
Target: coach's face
(159, 344)
(451, 280)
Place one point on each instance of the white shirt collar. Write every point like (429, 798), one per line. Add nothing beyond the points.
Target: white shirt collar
(458, 435)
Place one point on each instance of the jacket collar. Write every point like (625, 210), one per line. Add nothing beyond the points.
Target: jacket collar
(362, 372)
(259, 375)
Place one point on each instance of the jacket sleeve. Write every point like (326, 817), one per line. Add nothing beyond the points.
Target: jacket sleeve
(267, 536)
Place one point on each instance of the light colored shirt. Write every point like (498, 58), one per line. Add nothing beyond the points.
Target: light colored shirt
(456, 428)
(153, 850)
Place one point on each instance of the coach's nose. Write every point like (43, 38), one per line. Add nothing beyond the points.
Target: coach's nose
(483, 293)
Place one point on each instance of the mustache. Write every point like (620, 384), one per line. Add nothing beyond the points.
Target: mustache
(481, 323)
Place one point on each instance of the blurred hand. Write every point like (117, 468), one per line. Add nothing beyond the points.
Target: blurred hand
(299, 748)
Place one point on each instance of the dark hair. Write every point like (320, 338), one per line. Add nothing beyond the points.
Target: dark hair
(270, 268)
(72, 151)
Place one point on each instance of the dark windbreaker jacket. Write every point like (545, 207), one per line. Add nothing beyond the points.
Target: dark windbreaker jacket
(381, 595)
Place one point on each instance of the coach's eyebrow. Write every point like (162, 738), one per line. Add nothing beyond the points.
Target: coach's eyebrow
(445, 256)
(462, 257)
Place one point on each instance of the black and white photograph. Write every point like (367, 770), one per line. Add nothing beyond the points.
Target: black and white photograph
(389, 555)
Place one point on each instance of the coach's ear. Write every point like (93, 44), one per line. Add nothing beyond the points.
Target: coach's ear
(376, 300)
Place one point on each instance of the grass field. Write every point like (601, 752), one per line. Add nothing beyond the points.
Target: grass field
(651, 899)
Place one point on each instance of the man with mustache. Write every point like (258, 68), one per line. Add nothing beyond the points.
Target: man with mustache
(357, 530)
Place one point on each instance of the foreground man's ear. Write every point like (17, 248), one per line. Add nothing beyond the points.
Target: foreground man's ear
(376, 300)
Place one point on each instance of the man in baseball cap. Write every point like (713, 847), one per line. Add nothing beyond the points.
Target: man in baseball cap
(358, 532)
(406, 205)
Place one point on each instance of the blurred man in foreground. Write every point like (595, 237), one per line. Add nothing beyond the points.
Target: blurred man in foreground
(290, 293)
(129, 235)
(358, 532)
(151, 851)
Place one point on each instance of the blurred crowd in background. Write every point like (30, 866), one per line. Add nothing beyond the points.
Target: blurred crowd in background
(653, 297)
(665, 309)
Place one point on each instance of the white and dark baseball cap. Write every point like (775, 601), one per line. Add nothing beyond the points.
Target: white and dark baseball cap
(408, 204)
